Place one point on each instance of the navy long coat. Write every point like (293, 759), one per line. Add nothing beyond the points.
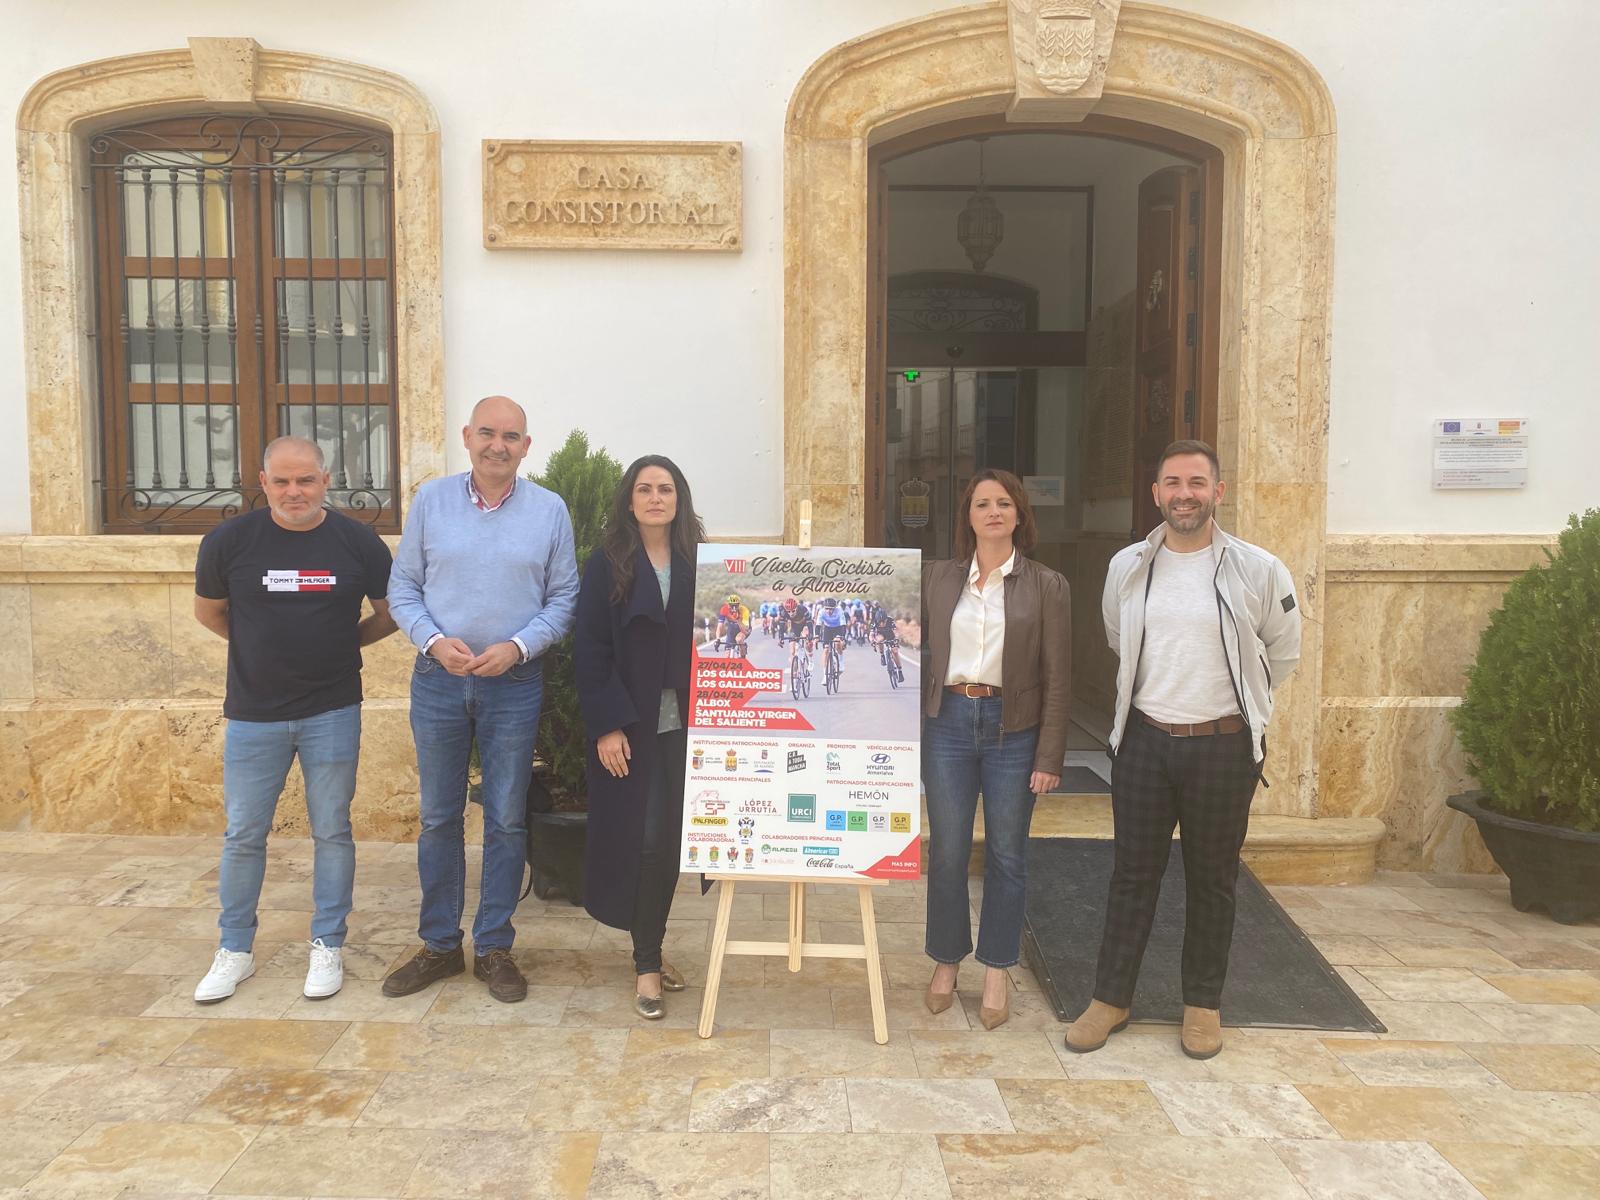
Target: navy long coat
(624, 656)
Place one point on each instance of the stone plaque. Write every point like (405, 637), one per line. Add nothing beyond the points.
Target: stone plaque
(612, 195)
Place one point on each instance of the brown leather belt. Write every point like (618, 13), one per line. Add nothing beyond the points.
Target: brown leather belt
(1233, 724)
(972, 691)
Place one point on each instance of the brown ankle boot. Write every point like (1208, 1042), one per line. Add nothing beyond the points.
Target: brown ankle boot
(1094, 1025)
(1202, 1032)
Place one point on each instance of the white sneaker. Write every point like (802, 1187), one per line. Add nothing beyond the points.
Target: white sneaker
(325, 976)
(228, 970)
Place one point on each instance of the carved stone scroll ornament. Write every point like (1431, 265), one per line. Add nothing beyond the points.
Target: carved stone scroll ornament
(1059, 50)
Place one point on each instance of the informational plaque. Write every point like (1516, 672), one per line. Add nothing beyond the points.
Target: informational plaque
(1487, 453)
(798, 765)
(612, 195)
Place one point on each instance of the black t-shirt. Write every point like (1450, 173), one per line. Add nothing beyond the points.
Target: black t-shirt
(294, 601)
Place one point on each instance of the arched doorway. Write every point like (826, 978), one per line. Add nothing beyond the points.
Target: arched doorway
(1264, 113)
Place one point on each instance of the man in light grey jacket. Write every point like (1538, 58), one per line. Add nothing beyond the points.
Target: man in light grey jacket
(1205, 626)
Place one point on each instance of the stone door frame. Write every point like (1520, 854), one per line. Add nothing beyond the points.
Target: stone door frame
(1258, 102)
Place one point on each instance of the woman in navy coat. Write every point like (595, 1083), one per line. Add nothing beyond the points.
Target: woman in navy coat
(631, 649)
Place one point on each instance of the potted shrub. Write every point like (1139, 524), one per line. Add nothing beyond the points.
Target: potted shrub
(557, 806)
(1530, 725)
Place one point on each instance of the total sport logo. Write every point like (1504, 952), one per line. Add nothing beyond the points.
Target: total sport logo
(833, 761)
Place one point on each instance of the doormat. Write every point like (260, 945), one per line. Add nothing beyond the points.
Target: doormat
(1276, 977)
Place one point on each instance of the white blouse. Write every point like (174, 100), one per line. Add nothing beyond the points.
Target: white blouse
(978, 627)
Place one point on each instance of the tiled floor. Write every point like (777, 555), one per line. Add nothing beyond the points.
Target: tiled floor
(112, 1082)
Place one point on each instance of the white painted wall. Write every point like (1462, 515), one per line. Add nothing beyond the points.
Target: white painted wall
(1454, 294)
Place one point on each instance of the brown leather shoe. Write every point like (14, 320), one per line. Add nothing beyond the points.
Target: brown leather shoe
(499, 970)
(1094, 1026)
(421, 969)
(1202, 1032)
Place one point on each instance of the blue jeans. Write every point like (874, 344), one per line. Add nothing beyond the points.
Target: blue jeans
(963, 753)
(449, 712)
(256, 757)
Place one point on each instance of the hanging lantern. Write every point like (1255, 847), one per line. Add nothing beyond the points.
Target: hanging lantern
(981, 227)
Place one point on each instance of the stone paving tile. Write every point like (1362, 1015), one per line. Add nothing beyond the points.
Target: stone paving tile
(841, 1053)
(361, 960)
(1412, 1064)
(257, 998)
(864, 1166)
(1084, 1107)
(130, 1040)
(1459, 1114)
(1373, 1171)
(1546, 986)
(1240, 1110)
(147, 1155)
(186, 957)
(514, 1166)
(903, 1009)
(481, 1099)
(796, 1104)
(609, 1007)
(611, 1103)
(1541, 1068)
(70, 993)
(1510, 1172)
(515, 1049)
(290, 1161)
(466, 1001)
(31, 1143)
(1138, 1052)
(742, 1052)
(927, 1106)
(282, 1045)
(1045, 1167)
(271, 1096)
(1354, 950)
(1551, 1024)
(1450, 984)
(982, 1053)
(684, 1166)
(360, 1000)
(1281, 1059)
(1441, 954)
(114, 1092)
(795, 1006)
(1441, 1021)
(1549, 954)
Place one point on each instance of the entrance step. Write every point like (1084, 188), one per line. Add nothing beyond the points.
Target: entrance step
(1280, 850)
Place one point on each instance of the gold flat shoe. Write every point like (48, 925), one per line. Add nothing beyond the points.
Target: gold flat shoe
(649, 1007)
(671, 978)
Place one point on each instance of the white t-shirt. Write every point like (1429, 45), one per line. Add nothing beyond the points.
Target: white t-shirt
(1183, 675)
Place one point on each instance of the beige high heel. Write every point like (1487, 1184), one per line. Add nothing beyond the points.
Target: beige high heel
(939, 1002)
(993, 1018)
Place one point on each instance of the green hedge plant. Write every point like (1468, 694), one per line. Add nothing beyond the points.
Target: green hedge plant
(587, 480)
(1530, 723)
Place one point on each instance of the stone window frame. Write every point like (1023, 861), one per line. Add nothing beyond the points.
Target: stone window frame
(1257, 101)
(58, 116)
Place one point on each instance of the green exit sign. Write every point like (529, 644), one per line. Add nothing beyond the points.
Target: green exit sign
(912, 376)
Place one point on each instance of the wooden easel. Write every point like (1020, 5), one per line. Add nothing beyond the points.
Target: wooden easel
(796, 949)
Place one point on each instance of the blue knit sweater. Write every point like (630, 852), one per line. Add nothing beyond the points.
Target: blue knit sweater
(485, 577)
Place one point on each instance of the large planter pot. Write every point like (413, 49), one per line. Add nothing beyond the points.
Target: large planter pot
(555, 846)
(1550, 868)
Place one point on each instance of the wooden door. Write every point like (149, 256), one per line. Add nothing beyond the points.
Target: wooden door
(1168, 345)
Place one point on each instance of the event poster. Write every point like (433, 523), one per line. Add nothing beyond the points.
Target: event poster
(804, 755)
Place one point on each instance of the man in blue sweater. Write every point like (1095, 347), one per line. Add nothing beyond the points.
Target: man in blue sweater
(484, 582)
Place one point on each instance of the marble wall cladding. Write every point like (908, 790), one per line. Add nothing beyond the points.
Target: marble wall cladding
(1397, 759)
(101, 641)
(1404, 637)
(199, 657)
(16, 628)
(102, 769)
(16, 782)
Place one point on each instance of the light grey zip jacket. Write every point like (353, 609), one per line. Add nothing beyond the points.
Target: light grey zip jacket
(1258, 620)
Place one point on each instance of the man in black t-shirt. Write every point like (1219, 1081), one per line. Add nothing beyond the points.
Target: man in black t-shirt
(284, 586)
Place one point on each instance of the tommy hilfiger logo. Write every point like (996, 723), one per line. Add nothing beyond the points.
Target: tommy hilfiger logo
(299, 581)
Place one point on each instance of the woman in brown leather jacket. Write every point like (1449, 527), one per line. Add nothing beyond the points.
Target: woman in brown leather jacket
(996, 684)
